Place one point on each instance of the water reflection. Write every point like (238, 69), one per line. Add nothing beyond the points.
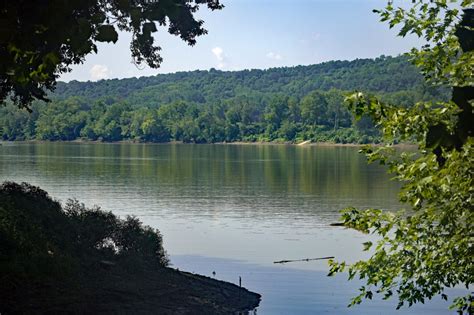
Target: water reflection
(256, 203)
(245, 203)
(289, 291)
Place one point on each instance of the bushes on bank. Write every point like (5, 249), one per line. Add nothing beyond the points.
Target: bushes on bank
(40, 239)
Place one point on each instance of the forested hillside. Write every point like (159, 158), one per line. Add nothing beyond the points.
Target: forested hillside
(279, 104)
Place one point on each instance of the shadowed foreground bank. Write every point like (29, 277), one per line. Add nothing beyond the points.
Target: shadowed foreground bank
(72, 259)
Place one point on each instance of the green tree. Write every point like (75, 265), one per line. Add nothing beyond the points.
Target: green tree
(153, 129)
(96, 111)
(172, 116)
(429, 248)
(276, 113)
(338, 115)
(287, 131)
(42, 39)
(61, 121)
(110, 125)
(13, 123)
(314, 108)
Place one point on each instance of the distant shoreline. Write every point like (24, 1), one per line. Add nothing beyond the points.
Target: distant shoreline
(311, 144)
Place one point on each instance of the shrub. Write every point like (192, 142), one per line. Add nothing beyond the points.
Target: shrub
(39, 238)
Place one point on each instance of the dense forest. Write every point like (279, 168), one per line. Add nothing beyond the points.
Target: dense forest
(280, 104)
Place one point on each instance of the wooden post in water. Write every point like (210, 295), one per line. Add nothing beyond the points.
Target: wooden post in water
(240, 286)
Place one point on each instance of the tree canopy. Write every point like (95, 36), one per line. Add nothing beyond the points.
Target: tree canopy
(279, 104)
(42, 39)
(430, 247)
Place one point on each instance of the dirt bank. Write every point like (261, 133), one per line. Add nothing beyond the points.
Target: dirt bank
(111, 290)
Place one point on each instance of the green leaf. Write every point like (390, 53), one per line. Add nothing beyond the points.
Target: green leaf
(367, 245)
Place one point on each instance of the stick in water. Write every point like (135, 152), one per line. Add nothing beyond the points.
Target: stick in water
(306, 259)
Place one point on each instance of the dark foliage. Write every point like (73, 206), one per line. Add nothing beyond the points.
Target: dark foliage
(40, 241)
(42, 39)
(75, 260)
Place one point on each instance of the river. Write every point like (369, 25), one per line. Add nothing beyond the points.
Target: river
(231, 210)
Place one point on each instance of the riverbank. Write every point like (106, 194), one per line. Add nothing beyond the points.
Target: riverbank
(113, 290)
(71, 259)
(302, 143)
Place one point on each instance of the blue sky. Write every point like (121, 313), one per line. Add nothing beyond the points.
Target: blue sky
(260, 34)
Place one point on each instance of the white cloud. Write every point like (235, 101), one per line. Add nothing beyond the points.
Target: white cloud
(99, 72)
(274, 56)
(219, 53)
(220, 56)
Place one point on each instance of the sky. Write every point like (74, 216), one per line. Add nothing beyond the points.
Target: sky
(261, 34)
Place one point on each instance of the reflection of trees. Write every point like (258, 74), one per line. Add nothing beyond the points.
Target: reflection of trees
(234, 173)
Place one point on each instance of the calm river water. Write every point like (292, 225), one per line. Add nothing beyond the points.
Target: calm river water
(231, 209)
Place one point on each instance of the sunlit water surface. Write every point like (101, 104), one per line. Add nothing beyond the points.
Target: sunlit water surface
(231, 209)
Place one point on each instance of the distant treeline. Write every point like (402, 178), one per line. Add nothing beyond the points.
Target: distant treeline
(281, 104)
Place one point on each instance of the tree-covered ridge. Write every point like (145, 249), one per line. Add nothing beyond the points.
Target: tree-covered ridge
(388, 75)
(280, 104)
